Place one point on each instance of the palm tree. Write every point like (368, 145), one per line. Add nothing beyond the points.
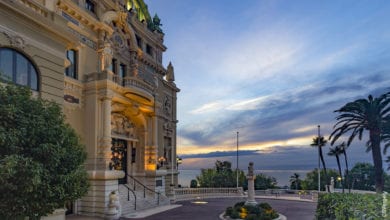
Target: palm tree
(294, 179)
(343, 149)
(322, 143)
(360, 115)
(336, 151)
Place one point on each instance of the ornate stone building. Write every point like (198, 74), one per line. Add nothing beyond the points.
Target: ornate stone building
(102, 61)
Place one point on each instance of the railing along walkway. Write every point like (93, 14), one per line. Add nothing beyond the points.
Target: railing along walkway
(198, 193)
(149, 195)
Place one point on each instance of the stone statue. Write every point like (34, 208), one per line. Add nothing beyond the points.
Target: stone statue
(114, 207)
(129, 128)
(157, 24)
(107, 56)
(170, 77)
(251, 186)
(250, 169)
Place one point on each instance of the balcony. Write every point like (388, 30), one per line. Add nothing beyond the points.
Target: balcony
(133, 87)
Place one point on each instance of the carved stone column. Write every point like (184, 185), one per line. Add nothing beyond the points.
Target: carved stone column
(251, 186)
(105, 140)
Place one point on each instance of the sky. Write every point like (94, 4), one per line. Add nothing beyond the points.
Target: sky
(271, 70)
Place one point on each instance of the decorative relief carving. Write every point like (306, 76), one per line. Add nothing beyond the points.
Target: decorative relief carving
(167, 108)
(168, 128)
(17, 41)
(121, 125)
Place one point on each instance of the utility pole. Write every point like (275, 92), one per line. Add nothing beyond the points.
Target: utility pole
(319, 164)
(237, 163)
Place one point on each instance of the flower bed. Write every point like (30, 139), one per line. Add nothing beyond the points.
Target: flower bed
(353, 206)
(262, 211)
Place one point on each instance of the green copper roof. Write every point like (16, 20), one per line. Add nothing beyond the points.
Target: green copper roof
(143, 14)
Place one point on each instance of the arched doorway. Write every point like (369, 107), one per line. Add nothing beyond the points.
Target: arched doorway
(119, 157)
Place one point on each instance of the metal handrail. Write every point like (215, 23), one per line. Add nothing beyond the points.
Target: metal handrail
(145, 188)
(128, 196)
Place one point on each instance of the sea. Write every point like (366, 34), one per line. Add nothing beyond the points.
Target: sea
(282, 176)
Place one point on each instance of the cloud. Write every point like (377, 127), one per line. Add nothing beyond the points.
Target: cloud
(276, 158)
(281, 116)
(209, 107)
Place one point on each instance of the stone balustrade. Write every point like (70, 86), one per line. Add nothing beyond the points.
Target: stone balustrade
(196, 193)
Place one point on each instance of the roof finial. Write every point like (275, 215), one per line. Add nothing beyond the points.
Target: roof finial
(170, 77)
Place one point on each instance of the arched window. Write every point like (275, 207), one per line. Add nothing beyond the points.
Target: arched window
(17, 68)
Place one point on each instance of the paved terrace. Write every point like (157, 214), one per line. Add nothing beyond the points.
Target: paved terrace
(199, 207)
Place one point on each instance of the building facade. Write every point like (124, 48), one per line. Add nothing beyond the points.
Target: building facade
(102, 61)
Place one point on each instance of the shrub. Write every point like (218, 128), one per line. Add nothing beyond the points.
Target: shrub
(194, 184)
(262, 211)
(350, 206)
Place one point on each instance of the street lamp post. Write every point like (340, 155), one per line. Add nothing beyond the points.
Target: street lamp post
(237, 163)
(319, 164)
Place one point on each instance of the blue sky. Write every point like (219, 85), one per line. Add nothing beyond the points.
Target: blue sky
(271, 70)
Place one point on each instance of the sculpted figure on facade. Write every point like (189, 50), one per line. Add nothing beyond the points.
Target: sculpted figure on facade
(121, 125)
(167, 106)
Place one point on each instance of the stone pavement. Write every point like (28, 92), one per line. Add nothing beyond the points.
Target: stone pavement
(138, 214)
(208, 209)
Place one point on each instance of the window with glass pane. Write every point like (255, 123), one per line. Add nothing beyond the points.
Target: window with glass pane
(90, 6)
(71, 70)
(6, 66)
(113, 67)
(122, 70)
(17, 68)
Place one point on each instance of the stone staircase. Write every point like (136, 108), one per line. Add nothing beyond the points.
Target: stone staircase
(140, 199)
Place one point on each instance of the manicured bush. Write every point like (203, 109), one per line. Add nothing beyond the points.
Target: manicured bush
(262, 211)
(41, 157)
(352, 206)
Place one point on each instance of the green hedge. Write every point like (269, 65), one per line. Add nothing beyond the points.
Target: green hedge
(353, 206)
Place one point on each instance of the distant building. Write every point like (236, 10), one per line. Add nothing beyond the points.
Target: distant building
(102, 61)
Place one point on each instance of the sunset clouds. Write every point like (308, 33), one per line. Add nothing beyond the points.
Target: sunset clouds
(272, 70)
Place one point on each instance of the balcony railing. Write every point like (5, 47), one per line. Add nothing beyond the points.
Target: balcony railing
(127, 82)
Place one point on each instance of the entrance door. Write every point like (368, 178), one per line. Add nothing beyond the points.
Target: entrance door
(119, 157)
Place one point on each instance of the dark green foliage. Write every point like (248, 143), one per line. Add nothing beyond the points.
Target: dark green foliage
(295, 182)
(362, 176)
(371, 115)
(263, 182)
(40, 156)
(229, 211)
(322, 142)
(221, 175)
(262, 211)
(311, 180)
(350, 206)
(193, 184)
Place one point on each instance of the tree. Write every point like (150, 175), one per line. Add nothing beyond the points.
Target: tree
(343, 149)
(295, 181)
(336, 151)
(41, 158)
(362, 176)
(194, 184)
(263, 182)
(221, 175)
(322, 142)
(360, 115)
(311, 180)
